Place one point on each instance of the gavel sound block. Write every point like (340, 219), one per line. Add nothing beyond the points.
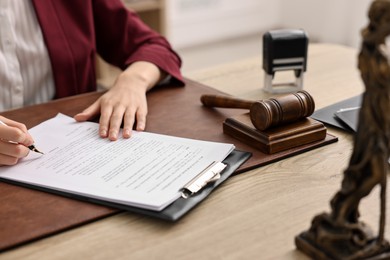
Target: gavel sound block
(272, 125)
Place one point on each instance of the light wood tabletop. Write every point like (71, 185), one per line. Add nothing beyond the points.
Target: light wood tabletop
(253, 215)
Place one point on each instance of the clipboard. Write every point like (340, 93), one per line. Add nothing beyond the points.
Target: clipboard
(182, 205)
(328, 115)
(349, 117)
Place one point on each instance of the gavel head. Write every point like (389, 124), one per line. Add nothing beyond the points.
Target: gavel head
(281, 110)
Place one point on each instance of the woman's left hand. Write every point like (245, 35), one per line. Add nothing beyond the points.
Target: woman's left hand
(124, 101)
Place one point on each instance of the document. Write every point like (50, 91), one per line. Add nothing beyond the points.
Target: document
(147, 170)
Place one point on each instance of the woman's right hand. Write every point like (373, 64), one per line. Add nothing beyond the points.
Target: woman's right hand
(14, 141)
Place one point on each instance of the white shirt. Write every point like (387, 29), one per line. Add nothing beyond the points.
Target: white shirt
(26, 76)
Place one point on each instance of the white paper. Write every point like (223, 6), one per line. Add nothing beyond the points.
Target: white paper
(147, 171)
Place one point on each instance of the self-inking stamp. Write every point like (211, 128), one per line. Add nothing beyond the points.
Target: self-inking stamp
(284, 50)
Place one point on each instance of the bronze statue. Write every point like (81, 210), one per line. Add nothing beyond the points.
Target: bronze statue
(340, 234)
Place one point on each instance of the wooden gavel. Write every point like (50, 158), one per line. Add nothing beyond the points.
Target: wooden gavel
(268, 113)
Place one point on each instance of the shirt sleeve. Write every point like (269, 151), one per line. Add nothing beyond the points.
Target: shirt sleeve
(123, 38)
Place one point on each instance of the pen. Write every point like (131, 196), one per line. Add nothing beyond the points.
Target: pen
(31, 147)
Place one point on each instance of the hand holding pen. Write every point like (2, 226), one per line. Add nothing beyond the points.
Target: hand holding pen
(15, 141)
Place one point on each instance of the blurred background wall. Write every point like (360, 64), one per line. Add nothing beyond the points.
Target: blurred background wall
(208, 32)
(332, 21)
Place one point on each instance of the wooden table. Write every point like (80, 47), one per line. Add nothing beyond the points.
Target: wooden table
(254, 215)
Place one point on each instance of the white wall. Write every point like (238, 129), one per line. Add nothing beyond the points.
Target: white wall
(212, 32)
(195, 22)
(335, 21)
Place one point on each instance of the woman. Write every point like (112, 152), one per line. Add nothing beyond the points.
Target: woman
(48, 51)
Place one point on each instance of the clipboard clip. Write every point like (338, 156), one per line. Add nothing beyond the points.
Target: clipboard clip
(211, 174)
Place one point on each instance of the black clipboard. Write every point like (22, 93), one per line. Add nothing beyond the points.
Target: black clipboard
(328, 115)
(349, 116)
(175, 210)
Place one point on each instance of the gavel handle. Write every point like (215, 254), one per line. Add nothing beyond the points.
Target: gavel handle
(225, 101)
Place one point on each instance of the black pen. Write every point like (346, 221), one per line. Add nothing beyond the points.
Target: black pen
(31, 147)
